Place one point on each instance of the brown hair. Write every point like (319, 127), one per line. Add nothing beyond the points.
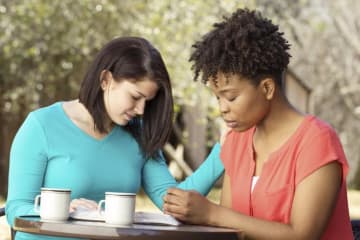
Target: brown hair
(132, 58)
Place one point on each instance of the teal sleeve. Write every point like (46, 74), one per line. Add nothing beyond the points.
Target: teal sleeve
(28, 161)
(27, 169)
(207, 174)
(157, 178)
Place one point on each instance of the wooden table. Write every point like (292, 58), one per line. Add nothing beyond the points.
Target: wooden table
(101, 230)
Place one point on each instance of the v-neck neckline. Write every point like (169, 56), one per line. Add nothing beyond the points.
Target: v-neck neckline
(283, 146)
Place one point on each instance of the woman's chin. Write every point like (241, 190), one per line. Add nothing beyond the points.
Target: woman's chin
(121, 122)
(242, 128)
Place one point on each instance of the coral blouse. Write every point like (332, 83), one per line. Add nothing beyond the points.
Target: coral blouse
(313, 145)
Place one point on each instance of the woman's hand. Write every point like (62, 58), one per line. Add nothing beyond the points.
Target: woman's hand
(82, 203)
(188, 206)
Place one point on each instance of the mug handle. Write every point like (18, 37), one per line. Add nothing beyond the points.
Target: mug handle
(102, 202)
(36, 204)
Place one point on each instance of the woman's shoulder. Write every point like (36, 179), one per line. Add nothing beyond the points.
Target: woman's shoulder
(316, 127)
(318, 136)
(45, 115)
(47, 110)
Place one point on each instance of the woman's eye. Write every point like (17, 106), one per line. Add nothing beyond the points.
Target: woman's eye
(136, 98)
(231, 99)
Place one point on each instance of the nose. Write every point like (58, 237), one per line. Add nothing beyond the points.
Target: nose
(140, 107)
(223, 106)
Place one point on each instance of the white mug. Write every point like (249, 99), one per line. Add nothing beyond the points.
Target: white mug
(54, 204)
(119, 208)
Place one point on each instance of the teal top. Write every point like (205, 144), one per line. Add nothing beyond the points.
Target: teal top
(49, 150)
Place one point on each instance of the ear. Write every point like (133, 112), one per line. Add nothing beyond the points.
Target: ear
(268, 87)
(105, 79)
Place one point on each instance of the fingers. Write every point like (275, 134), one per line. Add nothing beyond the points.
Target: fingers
(82, 203)
(180, 197)
(174, 199)
(176, 191)
(181, 194)
(179, 203)
(187, 206)
(179, 212)
(180, 217)
(173, 209)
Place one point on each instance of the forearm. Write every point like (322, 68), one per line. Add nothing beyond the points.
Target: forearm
(24, 183)
(253, 228)
(27, 169)
(17, 208)
(157, 178)
(206, 175)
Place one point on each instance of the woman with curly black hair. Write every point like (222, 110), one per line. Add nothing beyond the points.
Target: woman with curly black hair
(285, 171)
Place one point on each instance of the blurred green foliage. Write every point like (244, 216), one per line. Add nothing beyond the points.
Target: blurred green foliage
(46, 46)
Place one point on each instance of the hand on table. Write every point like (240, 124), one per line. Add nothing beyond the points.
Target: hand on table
(188, 206)
(83, 203)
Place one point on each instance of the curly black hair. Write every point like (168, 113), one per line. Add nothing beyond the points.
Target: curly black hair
(245, 44)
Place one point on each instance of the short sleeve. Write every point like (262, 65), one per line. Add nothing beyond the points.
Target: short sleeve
(319, 150)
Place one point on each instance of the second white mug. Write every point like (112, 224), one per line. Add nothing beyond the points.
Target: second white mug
(119, 208)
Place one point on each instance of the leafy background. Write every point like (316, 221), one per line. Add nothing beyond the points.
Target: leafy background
(46, 46)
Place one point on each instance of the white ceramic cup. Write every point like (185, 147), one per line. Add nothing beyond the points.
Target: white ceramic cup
(54, 204)
(119, 208)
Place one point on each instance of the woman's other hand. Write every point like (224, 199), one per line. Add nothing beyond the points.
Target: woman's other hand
(188, 206)
(83, 203)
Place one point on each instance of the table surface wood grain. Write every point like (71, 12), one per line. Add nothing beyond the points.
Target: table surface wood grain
(101, 230)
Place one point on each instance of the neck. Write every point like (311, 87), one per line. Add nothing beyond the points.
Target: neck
(282, 119)
(89, 120)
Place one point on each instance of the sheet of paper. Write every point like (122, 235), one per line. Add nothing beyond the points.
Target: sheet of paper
(139, 218)
(155, 218)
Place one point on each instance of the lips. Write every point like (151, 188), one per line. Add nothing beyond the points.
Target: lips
(129, 116)
(230, 123)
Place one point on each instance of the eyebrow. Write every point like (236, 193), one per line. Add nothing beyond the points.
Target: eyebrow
(227, 90)
(147, 98)
(141, 94)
